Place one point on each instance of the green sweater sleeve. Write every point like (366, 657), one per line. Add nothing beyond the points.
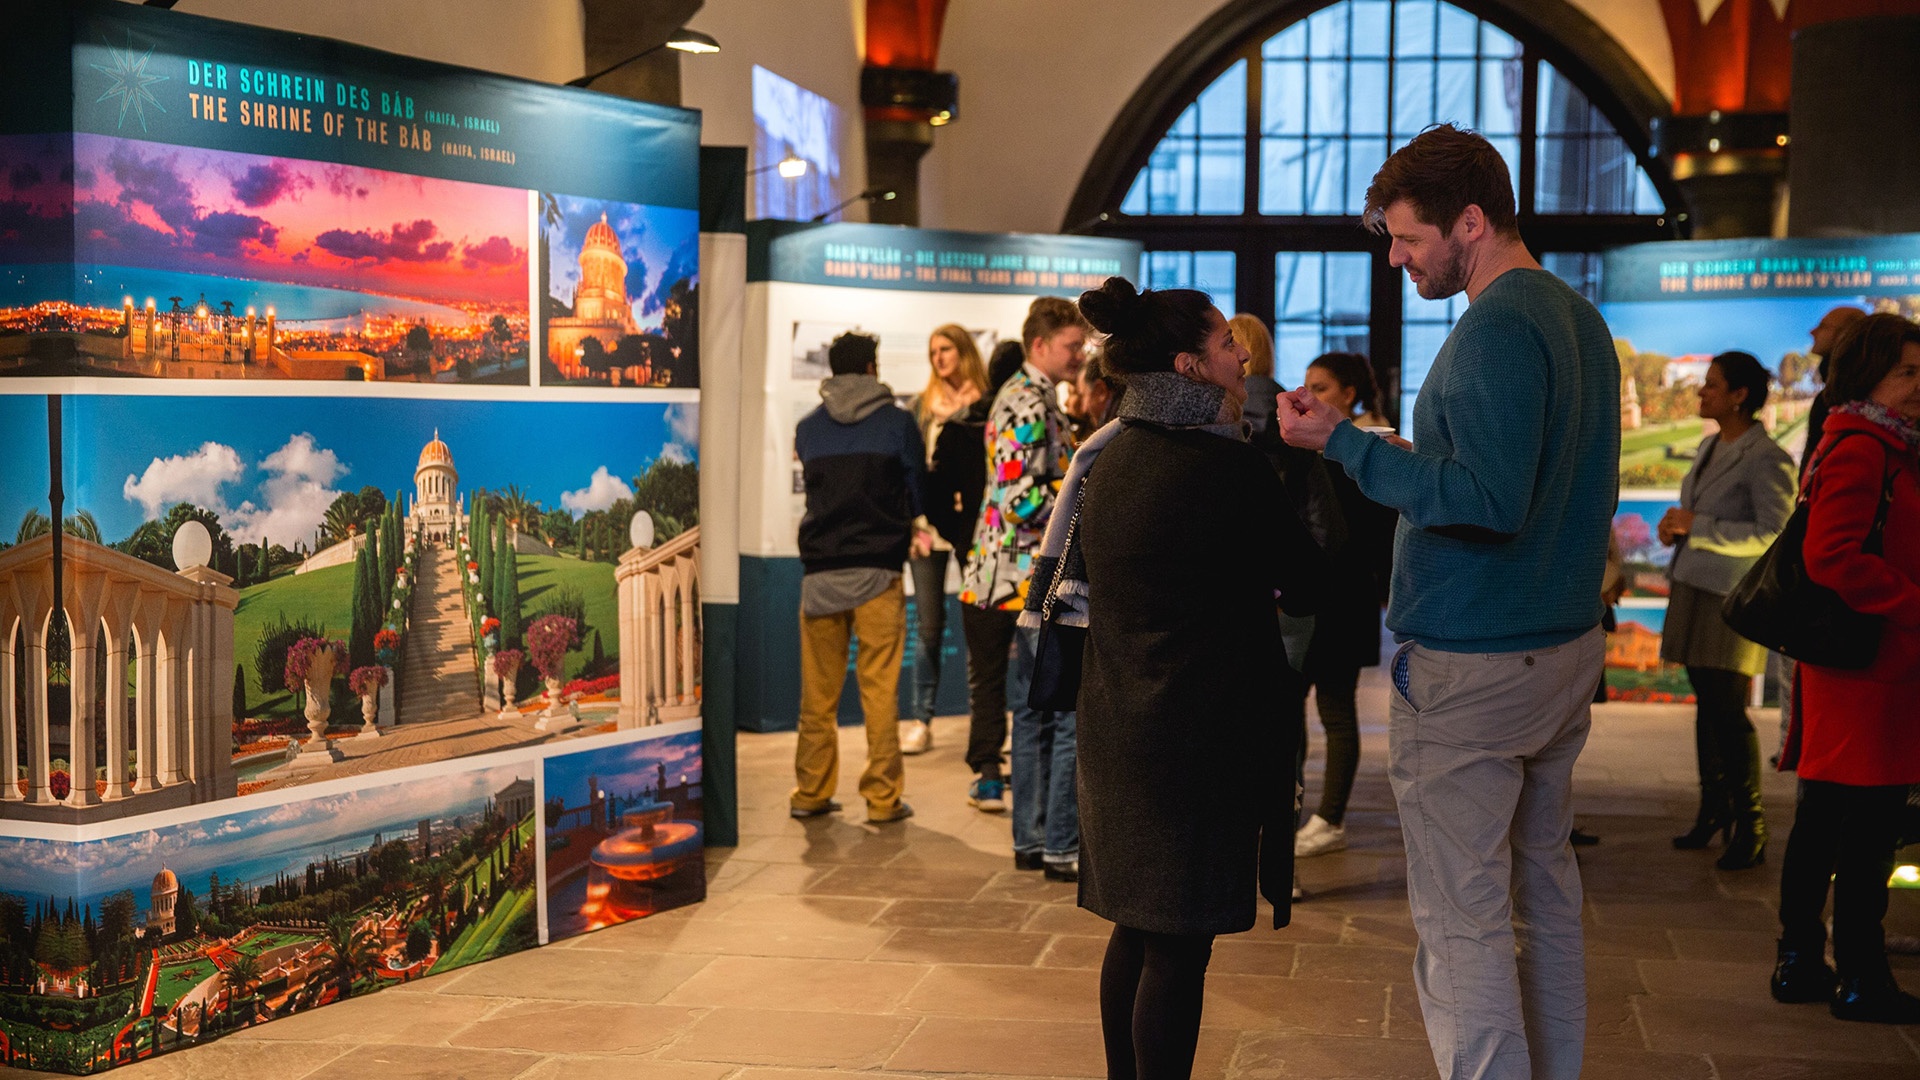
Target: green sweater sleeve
(1471, 472)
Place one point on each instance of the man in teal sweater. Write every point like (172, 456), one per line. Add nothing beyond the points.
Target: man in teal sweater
(1505, 495)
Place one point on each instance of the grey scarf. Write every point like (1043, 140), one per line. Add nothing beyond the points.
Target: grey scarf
(1166, 398)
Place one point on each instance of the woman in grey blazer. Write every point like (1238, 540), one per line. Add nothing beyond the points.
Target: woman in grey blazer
(1733, 502)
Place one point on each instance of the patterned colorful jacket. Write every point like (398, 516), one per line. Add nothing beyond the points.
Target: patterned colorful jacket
(1027, 454)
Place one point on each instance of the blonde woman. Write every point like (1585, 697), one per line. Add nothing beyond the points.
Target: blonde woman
(1262, 391)
(956, 379)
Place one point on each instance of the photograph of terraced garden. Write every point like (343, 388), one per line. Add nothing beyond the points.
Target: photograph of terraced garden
(191, 931)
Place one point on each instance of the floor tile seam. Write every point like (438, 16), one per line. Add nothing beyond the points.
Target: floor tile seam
(343, 1049)
(1640, 1020)
(658, 1053)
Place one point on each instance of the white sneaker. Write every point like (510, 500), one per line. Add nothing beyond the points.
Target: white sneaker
(916, 737)
(1317, 837)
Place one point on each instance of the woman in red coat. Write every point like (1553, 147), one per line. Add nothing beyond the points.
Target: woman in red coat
(1855, 737)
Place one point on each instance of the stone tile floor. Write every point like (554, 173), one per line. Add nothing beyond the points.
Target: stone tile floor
(832, 947)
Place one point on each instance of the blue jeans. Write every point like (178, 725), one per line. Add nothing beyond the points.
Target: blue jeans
(1046, 806)
(930, 613)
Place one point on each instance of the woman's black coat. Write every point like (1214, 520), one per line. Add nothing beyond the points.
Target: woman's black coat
(1346, 633)
(957, 476)
(1186, 773)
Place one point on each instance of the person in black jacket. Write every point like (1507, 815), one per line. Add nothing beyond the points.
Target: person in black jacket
(1346, 633)
(861, 459)
(1186, 776)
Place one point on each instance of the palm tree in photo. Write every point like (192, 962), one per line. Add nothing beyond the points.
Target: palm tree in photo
(243, 973)
(83, 525)
(522, 511)
(353, 950)
(340, 517)
(32, 525)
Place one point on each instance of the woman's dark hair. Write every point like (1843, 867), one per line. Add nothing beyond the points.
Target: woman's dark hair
(1007, 358)
(1864, 353)
(1146, 330)
(1744, 371)
(1353, 372)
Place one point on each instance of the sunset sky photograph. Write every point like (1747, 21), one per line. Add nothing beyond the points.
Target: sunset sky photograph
(313, 223)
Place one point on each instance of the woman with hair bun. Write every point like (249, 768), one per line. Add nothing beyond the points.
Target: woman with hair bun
(1181, 542)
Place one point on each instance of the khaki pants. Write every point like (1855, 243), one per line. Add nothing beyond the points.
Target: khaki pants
(880, 624)
(1481, 753)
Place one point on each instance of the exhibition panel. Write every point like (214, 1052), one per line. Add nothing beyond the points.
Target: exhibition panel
(1672, 308)
(806, 284)
(351, 631)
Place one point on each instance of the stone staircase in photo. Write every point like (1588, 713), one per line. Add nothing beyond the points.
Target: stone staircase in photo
(437, 673)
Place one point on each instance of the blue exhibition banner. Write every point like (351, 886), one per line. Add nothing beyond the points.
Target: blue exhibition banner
(1756, 269)
(166, 77)
(934, 260)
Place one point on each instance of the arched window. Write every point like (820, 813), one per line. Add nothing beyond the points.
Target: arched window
(1254, 191)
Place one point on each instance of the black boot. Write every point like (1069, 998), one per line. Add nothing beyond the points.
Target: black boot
(1747, 846)
(1801, 976)
(1712, 818)
(1876, 999)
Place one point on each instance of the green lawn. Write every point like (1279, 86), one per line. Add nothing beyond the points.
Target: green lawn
(262, 943)
(540, 574)
(322, 596)
(178, 978)
(1658, 436)
(481, 941)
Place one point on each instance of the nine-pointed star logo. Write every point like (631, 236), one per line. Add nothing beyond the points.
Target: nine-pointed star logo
(130, 81)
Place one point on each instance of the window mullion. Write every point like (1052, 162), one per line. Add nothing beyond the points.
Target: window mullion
(1527, 187)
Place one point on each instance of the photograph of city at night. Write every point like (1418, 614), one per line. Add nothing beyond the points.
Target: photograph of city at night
(130, 258)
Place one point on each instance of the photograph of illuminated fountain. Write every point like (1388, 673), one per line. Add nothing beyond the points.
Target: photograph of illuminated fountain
(623, 831)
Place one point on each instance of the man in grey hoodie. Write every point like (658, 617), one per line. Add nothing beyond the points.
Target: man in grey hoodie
(863, 464)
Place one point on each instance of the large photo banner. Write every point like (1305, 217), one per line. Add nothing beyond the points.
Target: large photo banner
(222, 202)
(349, 474)
(1673, 307)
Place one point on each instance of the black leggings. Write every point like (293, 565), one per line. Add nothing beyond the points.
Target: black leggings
(1847, 835)
(1724, 740)
(1150, 996)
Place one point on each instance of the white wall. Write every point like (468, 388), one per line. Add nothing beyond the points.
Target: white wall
(533, 39)
(813, 43)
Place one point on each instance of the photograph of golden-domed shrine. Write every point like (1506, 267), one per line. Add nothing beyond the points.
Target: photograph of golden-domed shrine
(623, 832)
(268, 592)
(186, 932)
(131, 258)
(619, 294)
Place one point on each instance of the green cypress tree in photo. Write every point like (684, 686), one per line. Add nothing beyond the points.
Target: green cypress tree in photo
(508, 592)
(366, 592)
(239, 693)
(481, 540)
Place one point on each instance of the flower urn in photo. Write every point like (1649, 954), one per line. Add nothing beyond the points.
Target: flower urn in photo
(506, 668)
(310, 665)
(548, 640)
(366, 684)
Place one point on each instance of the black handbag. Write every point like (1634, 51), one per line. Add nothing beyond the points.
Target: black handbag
(1057, 654)
(1777, 605)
